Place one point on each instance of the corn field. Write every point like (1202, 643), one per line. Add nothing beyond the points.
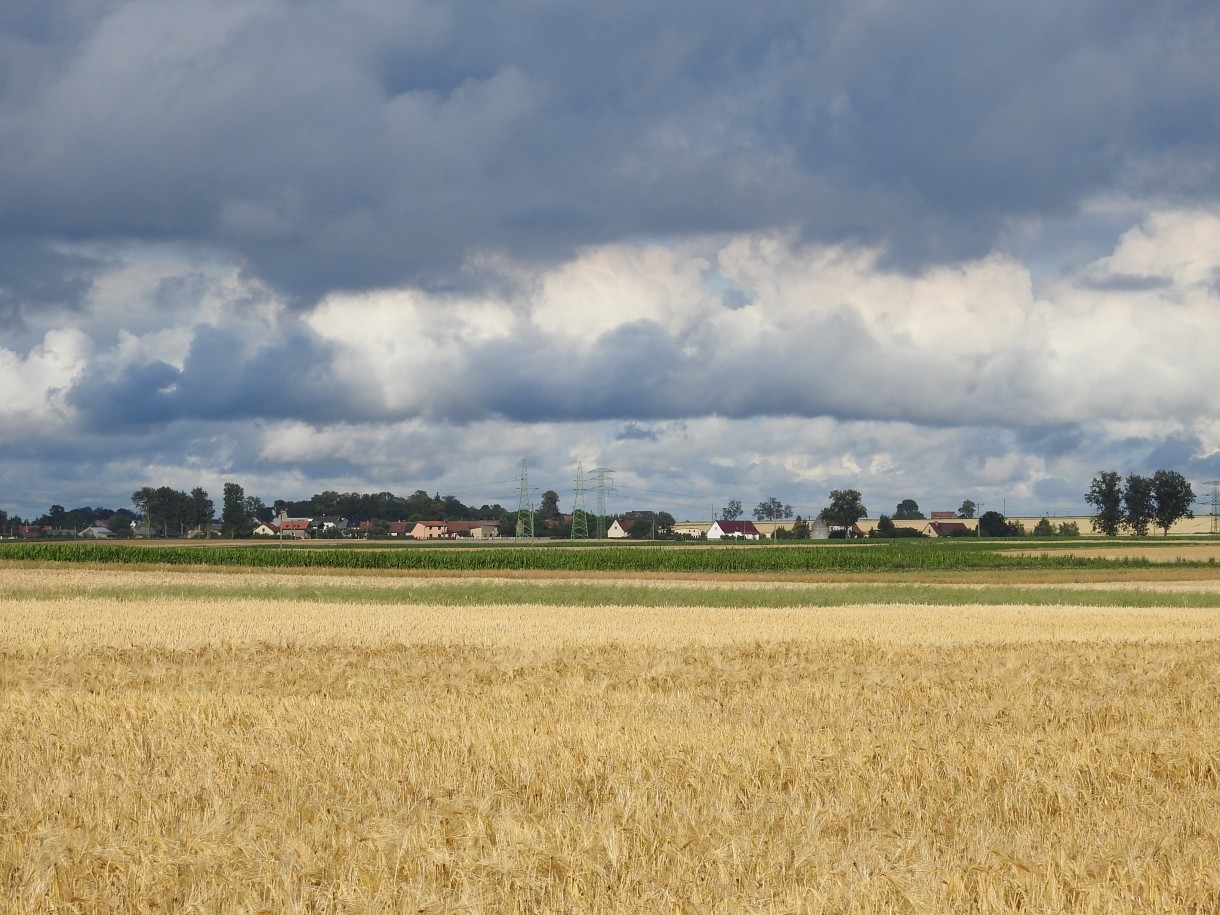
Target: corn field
(866, 557)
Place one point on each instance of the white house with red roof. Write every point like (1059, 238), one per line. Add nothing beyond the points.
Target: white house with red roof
(733, 530)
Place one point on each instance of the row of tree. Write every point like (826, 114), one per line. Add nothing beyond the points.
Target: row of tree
(1135, 503)
(1138, 502)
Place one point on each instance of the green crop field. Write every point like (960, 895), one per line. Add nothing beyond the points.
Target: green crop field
(845, 557)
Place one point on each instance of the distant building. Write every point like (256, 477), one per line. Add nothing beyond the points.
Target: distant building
(430, 530)
(733, 530)
(620, 528)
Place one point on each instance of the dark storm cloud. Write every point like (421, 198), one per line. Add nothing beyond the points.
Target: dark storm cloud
(1052, 442)
(636, 432)
(34, 276)
(225, 376)
(382, 141)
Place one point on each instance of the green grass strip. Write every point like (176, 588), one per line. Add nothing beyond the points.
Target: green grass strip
(584, 594)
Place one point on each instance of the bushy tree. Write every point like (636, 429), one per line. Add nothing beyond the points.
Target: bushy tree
(845, 508)
(993, 524)
(1106, 496)
(233, 513)
(202, 509)
(1138, 504)
(732, 511)
(772, 509)
(967, 510)
(908, 510)
(1172, 498)
(1044, 528)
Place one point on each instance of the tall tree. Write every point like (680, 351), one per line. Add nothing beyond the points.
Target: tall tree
(1138, 504)
(907, 510)
(1106, 496)
(772, 509)
(967, 510)
(732, 511)
(845, 508)
(202, 508)
(233, 514)
(1173, 497)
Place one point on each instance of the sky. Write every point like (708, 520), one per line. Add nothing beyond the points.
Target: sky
(936, 249)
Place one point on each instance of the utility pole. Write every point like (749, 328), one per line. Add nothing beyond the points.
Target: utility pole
(1215, 485)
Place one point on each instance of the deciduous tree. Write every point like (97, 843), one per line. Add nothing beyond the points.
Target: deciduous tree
(732, 511)
(772, 509)
(233, 514)
(1106, 496)
(845, 508)
(1172, 498)
(1138, 504)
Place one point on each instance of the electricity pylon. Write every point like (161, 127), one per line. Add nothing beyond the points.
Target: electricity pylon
(525, 510)
(580, 518)
(604, 480)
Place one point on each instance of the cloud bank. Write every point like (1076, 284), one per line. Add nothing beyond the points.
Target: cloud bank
(936, 252)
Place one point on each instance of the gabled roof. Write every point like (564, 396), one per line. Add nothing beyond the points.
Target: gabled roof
(737, 527)
(296, 524)
(949, 528)
(459, 527)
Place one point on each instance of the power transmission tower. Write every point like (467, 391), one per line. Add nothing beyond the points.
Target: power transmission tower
(1215, 485)
(580, 518)
(525, 510)
(604, 480)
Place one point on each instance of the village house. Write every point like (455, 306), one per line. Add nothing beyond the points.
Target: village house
(430, 530)
(294, 528)
(479, 530)
(733, 530)
(620, 528)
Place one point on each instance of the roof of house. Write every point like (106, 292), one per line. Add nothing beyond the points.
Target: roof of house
(459, 527)
(737, 527)
(948, 528)
(938, 516)
(296, 524)
(432, 523)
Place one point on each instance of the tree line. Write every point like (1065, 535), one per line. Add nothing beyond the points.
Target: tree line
(1138, 502)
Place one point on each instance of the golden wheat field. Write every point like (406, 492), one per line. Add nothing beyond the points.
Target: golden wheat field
(217, 742)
